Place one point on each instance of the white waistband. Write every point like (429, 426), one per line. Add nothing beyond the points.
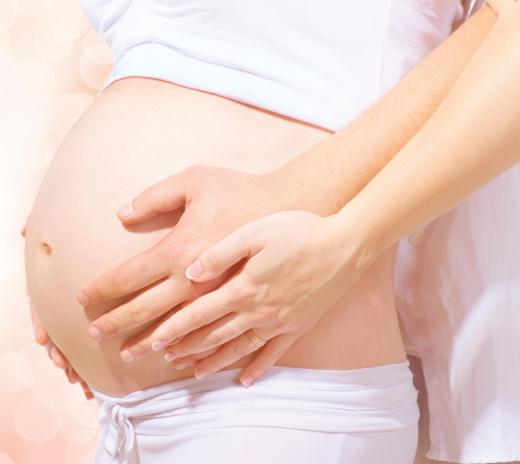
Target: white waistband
(369, 399)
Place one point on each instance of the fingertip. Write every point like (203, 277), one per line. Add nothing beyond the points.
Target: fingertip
(41, 337)
(125, 212)
(83, 298)
(246, 381)
(195, 271)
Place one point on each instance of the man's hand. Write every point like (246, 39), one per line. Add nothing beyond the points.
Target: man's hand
(216, 202)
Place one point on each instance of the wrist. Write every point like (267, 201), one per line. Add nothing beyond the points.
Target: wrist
(281, 190)
(356, 243)
(300, 189)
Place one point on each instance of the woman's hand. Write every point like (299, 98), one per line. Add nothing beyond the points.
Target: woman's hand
(57, 357)
(297, 266)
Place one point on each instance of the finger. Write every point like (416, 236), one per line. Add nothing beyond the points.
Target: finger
(86, 391)
(165, 196)
(191, 360)
(85, 386)
(204, 310)
(228, 353)
(211, 336)
(58, 359)
(72, 374)
(68, 372)
(145, 307)
(129, 277)
(40, 334)
(147, 342)
(267, 358)
(240, 244)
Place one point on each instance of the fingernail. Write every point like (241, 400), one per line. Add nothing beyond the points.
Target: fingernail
(94, 332)
(82, 298)
(158, 344)
(200, 374)
(246, 382)
(179, 365)
(169, 357)
(127, 356)
(126, 210)
(194, 270)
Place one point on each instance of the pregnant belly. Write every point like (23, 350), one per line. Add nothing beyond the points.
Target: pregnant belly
(137, 132)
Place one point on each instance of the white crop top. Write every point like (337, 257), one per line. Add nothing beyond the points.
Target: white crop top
(324, 65)
(319, 62)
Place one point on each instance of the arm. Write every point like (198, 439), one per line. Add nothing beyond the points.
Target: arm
(471, 138)
(343, 164)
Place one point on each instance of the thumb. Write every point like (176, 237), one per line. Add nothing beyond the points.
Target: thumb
(163, 197)
(242, 243)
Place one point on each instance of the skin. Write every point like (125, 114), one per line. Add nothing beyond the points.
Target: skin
(299, 179)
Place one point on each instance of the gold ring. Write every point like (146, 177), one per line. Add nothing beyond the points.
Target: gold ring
(255, 338)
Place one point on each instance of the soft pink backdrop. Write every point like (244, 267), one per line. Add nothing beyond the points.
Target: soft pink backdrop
(51, 67)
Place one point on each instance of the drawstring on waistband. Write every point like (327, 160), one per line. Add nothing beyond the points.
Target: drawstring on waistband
(120, 437)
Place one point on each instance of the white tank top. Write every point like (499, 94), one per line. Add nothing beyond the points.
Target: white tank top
(321, 65)
(324, 66)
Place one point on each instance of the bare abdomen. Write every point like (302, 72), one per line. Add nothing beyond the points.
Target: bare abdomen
(137, 132)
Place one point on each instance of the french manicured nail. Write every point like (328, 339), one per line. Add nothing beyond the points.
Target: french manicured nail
(246, 382)
(200, 374)
(169, 357)
(94, 332)
(82, 298)
(127, 356)
(179, 365)
(194, 270)
(126, 210)
(158, 344)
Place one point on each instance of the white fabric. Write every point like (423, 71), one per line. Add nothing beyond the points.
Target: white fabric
(363, 416)
(457, 285)
(322, 65)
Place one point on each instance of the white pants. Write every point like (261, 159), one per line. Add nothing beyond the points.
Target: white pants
(290, 415)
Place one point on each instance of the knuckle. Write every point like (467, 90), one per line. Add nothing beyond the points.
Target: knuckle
(140, 349)
(245, 289)
(138, 314)
(259, 315)
(106, 326)
(241, 349)
(199, 319)
(212, 340)
(119, 281)
(277, 351)
(92, 293)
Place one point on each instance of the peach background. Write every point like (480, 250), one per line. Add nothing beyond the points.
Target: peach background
(51, 67)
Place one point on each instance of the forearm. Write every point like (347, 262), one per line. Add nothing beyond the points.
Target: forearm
(344, 163)
(472, 137)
